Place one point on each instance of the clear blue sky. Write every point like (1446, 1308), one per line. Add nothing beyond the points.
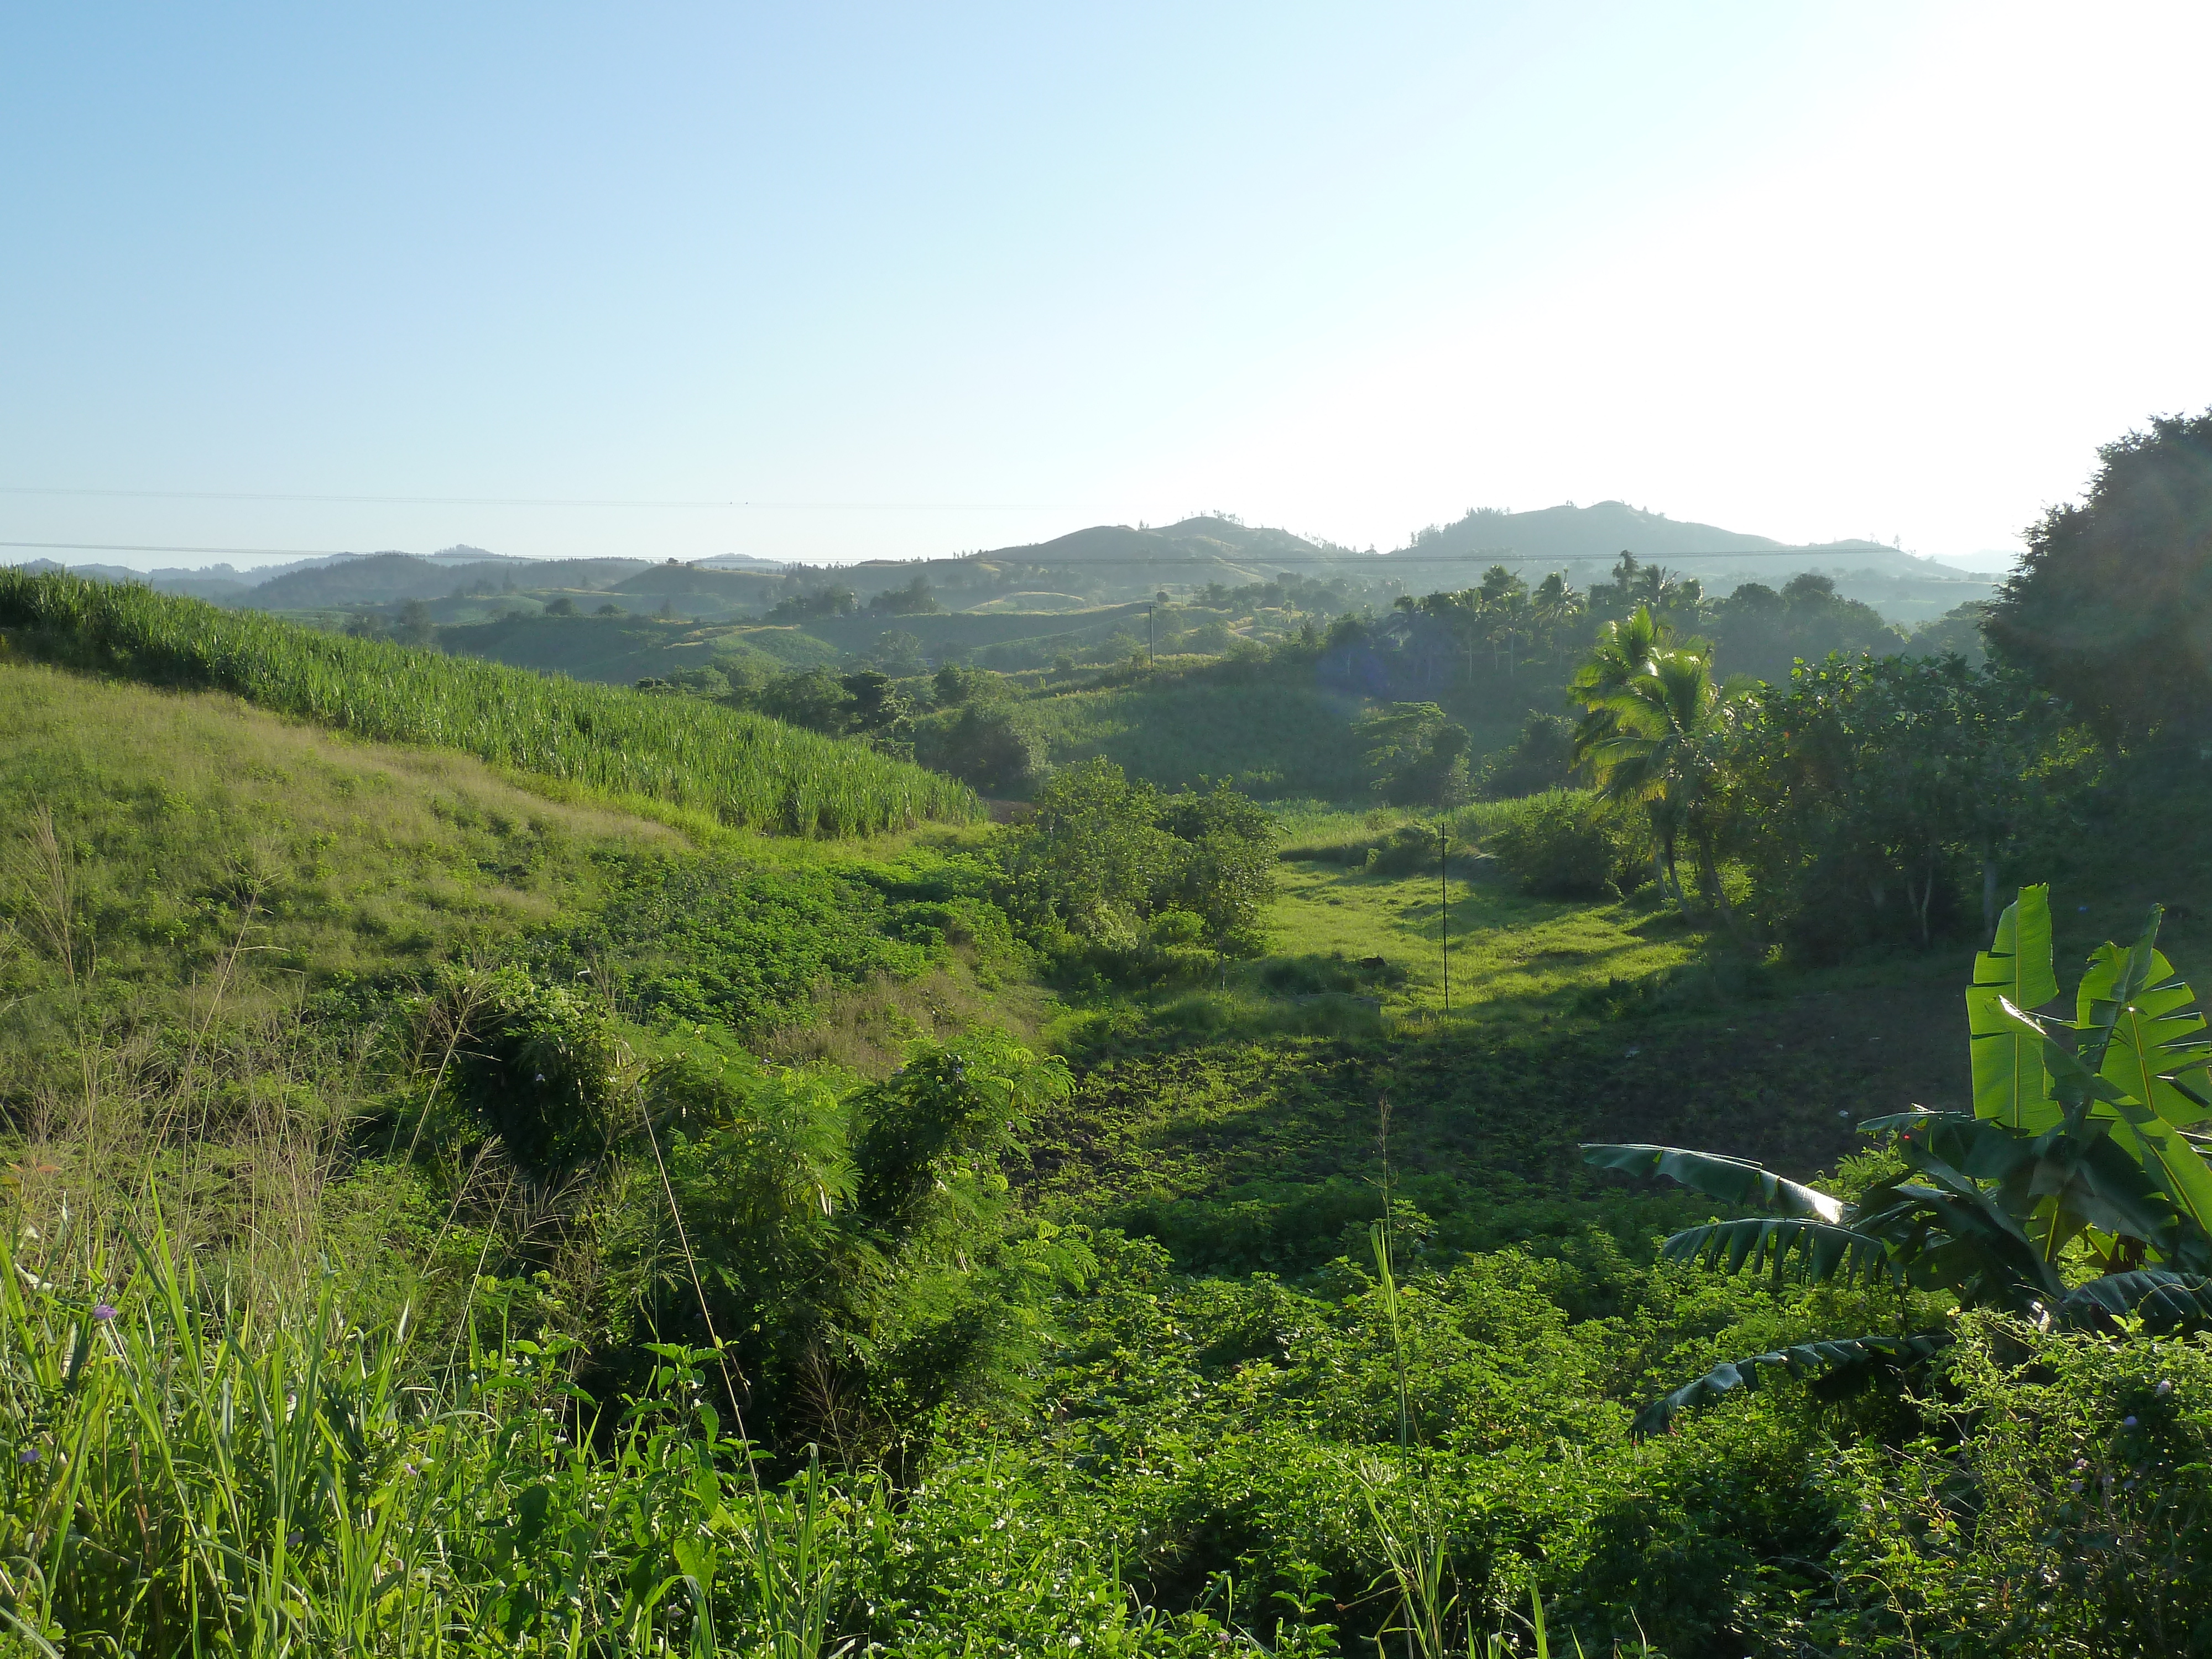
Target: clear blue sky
(917, 280)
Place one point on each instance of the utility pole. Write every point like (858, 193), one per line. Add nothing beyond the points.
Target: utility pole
(1148, 636)
(1444, 891)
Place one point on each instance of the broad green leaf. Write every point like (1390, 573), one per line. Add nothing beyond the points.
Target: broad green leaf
(2177, 1168)
(1819, 1251)
(2163, 1297)
(2092, 1098)
(1859, 1355)
(2155, 1048)
(1737, 1180)
(2010, 1084)
(2115, 978)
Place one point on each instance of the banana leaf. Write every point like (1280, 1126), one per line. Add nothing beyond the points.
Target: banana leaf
(2097, 1102)
(2165, 1300)
(2011, 1086)
(1819, 1251)
(1954, 1236)
(1845, 1363)
(2157, 1049)
(1736, 1180)
(2114, 980)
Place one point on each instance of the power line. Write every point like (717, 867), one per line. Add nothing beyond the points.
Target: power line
(239, 552)
(535, 501)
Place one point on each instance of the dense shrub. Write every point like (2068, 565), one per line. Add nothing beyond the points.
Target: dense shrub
(984, 744)
(2057, 1499)
(539, 1066)
(736, 943)
(1567, 845)
(1542, 757)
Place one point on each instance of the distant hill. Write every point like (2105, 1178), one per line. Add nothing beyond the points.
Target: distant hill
(1573, 534)
(741, 562)
(1105, 565)
(1201, 540)
(388, 578)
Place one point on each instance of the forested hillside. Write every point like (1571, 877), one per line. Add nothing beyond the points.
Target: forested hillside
(1509, 1117)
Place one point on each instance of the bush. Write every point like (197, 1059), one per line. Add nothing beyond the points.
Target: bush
(539, 1066)
(984, 746)
(1566, 844)
(1411, 850)
(1541, 758)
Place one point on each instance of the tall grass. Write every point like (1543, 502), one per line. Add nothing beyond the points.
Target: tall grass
(743, 769)
(187, 1477)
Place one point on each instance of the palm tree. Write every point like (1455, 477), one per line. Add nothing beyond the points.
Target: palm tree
(1624, 651)
(1669, 723)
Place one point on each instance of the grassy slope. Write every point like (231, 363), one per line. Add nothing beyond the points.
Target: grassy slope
(717, 765)
(367, 858)
(193, 825)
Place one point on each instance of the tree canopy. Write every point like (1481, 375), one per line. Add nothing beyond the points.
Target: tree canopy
(2109, 609)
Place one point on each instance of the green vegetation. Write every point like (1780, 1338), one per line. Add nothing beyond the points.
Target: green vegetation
(466, 1197)
(2109, 603)
(734, 769)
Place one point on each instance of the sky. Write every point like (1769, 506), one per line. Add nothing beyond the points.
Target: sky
(831, 282)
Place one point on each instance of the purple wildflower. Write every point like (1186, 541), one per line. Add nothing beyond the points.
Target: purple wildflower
(2127, 1422)
(2073, 1485)
(103, 1312)
(2164, 1389)
(29, 1455)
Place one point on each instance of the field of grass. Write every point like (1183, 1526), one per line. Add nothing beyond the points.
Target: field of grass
(205, 852)
(731, 768)
(1509, 956)
(175, 808)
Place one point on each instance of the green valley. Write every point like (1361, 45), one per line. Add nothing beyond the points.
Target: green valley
(1547, 1111)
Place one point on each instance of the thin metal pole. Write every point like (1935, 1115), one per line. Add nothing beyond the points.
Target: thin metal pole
(1148, 636)
(1444, 891)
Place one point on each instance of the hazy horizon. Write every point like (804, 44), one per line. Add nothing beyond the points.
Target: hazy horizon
(863, 284)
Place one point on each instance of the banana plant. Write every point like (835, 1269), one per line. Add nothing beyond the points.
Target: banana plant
(2082, 1152)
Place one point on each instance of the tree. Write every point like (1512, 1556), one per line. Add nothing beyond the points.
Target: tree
(1228, 865)
(984, 744)
(917, 598)
(2111, 607)
(1416, 755)
(820, 601)
(1623, 650)
(1617, 681)
(2078, 1142)
(1093, 858)
(1887, 776)
(1761, 632)
(414, 626)
(1542, 757)
(1671, 722)
(875, 701)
